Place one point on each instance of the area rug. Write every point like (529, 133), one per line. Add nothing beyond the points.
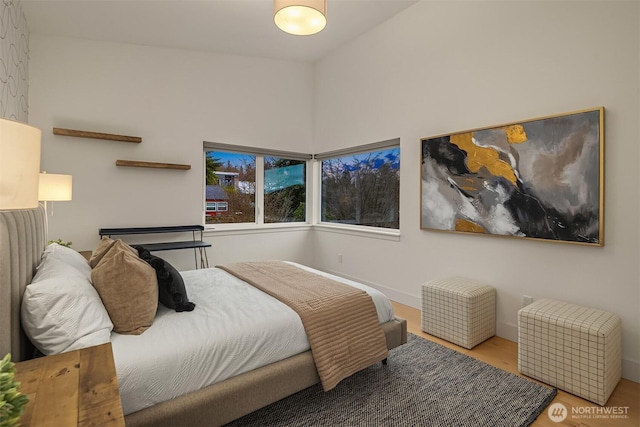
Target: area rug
(423, 384)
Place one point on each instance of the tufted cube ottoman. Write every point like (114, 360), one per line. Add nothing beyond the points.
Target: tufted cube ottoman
(577, 349)
(459, 310)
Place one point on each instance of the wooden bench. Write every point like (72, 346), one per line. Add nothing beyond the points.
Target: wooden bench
(196, 243)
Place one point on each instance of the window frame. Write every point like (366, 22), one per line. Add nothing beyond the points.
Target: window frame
(313, 193)
(359, 230)
(260, 154)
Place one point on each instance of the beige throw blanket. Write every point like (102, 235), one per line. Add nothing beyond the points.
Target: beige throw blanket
(340, 321)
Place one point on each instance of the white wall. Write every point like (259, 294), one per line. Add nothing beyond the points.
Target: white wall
(173, 99)
(442, 67)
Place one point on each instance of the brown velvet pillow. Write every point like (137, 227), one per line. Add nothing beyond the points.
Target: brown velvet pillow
(104, 246)
(128, 288)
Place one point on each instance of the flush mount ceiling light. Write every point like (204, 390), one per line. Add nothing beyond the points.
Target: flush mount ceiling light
(300, 17)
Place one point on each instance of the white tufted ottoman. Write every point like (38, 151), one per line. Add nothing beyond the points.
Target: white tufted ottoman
(577, 349)
(459, 310)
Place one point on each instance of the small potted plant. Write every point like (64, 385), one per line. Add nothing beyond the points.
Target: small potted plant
(12, 402)
(61, 242)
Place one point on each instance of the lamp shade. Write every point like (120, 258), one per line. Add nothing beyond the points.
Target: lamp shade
(19, 165)
(300, 17)
(55, 187)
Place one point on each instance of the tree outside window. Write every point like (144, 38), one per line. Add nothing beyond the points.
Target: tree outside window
(362, 189)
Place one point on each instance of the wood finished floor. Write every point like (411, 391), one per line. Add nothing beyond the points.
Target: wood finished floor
(503, 354)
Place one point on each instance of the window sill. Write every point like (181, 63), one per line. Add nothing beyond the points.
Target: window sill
(237, 229)
(372, 232)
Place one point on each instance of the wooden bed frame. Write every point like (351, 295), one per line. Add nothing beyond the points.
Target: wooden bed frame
(23, 237)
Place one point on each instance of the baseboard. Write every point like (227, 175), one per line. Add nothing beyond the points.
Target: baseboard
(631, 370)
(508, 331)
(393, 294)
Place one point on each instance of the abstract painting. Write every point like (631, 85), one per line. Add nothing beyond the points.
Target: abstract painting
(540, 178)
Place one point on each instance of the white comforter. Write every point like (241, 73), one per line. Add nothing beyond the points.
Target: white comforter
(234, 328)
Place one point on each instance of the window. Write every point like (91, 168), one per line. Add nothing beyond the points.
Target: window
(361, 186)
(217, 207)
(250, 185)
(284, 190)
(231, 180)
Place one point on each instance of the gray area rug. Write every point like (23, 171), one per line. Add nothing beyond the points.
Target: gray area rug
(423, 384)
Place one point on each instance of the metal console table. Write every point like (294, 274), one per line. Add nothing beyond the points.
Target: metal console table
(197, 244)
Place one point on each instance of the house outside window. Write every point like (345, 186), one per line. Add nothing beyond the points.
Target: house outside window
(361, 186)
(228, 179)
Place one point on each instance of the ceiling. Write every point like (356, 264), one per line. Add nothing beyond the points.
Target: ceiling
(242, 27)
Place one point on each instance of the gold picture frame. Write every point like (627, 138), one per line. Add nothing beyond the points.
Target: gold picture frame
(540, 178)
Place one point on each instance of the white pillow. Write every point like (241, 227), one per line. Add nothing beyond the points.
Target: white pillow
(53, 268)
(68, 256)
(62, 311)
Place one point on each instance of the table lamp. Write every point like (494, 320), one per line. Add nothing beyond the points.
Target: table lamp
(19, 165)
(54, 188)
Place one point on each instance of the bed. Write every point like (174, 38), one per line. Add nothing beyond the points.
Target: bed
(239, 390)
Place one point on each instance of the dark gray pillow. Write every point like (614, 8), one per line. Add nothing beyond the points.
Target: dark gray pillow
(171, 290)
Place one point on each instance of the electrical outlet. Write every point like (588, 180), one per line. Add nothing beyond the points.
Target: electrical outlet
(339, 258)
(526, 300)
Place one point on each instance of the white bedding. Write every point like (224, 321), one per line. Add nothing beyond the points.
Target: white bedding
(234, 328)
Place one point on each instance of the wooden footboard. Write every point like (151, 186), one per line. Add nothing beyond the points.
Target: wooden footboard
(231, 399)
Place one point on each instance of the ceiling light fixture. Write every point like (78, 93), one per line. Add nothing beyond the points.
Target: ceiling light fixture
(300, 17)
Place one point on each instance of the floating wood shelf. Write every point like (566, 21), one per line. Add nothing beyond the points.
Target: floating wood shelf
(138, 164)
(96, 135)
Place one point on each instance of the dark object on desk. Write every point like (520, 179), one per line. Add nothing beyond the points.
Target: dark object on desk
(198, 246)
(171, 290)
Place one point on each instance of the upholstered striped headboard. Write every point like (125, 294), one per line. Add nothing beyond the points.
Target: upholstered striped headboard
(23, 237)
